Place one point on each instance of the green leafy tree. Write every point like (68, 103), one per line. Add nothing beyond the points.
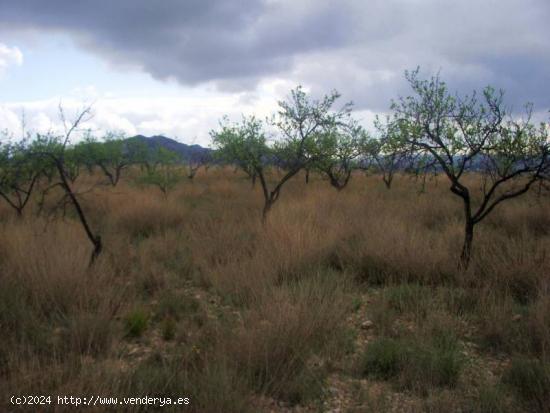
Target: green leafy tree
(19, 174)
(164, 172)
(468, 133)
(299, 121)
(139, 153)
(243, 144)
(111, 155)
(338, 152)
(385, 154)
(74, 159)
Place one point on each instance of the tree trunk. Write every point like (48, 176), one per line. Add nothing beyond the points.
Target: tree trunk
(94, 239)
(117, 175)
(267, 207)
(468, 240)
(468, 226)
(422, 189)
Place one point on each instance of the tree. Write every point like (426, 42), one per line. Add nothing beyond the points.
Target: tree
(300, 122)
(243, 144)
(385, 154)
(419, 166)
(52, 150)
(140, 153)
(19, 173)
(338, 152)
(164, 171)
(469, 134)
(195, 161)
(74, 159)
(111, 155)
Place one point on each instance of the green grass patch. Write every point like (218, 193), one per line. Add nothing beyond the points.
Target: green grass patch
(136, 323)
(414, 363)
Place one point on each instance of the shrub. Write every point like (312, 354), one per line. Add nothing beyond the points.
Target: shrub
(383, 358)
(307, 385)
(415, 363)
(436, 364)
(136, 323)
(530, 380)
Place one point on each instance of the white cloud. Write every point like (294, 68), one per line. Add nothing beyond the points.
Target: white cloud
(9, 120)
(189, 117)
(9, 56)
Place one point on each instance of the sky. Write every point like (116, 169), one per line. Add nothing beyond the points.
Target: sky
(175, 67)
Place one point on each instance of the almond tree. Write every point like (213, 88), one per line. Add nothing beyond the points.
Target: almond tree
(19, 174)
(245, 145)
(338, 153)
(164, 170)
(111, 156)
(195, 161)
(463, 134)
(385, 154)
(300, 122)
(52, 150)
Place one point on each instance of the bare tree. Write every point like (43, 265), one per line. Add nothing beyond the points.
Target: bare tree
(196, 161)
(53, 149)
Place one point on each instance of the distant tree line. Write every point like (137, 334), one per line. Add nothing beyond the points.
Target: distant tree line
(48, 162)
(432, 132)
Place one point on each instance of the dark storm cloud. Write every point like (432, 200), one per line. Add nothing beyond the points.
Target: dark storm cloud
(359, 47)
(192, 41)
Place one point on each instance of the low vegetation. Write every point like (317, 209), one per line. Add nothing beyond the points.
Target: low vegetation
(352, 300)
(264, 319)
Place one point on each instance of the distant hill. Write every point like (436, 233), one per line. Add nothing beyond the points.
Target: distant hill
(184, 150)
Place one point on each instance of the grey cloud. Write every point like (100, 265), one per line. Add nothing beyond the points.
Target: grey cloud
(192, 41)
(359, 47)
(471, 43)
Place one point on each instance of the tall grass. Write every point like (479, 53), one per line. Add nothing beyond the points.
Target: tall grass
(194, 293)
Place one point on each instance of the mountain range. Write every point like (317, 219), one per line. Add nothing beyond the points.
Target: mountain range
(182, 149)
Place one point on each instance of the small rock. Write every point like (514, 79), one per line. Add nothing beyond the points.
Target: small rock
(366, 325)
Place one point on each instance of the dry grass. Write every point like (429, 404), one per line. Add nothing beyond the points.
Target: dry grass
(236, 312)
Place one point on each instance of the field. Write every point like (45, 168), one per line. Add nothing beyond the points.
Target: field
(344, 301)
